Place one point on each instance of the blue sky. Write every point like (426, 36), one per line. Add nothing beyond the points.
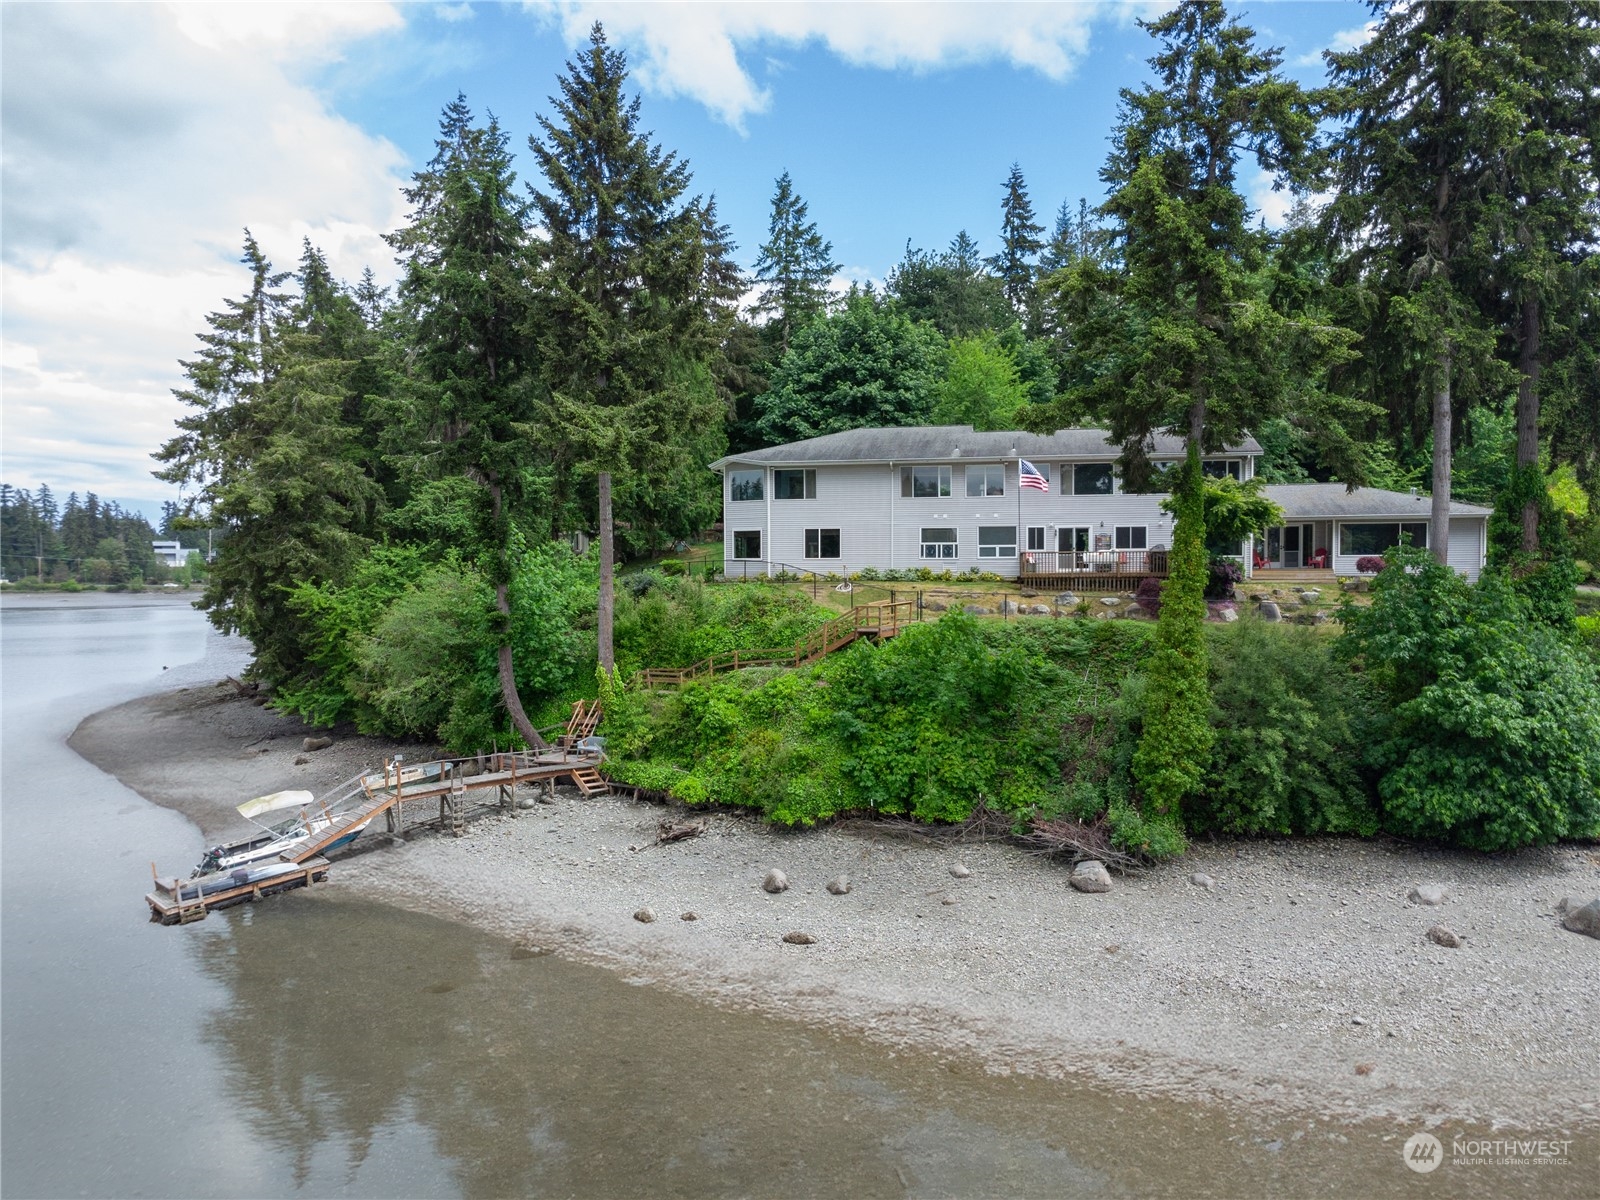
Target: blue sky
(140, 139)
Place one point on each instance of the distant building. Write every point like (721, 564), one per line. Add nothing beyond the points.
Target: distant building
(172, 554)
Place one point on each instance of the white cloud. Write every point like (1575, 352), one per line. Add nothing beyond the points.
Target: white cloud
(1345, 39)
(453, 13)
(693, 49)
(138, 143)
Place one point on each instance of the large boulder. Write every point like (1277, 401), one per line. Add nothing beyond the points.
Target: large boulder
(1579, 916)
(1268, 610)
(1066, 600)
(1091, 876)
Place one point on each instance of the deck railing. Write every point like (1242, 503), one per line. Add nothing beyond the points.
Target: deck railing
(1057, 563)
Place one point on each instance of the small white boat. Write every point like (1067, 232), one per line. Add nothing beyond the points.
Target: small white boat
(282, 836)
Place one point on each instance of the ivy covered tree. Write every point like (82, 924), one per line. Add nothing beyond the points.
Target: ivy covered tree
(1179, 337)
(794, 267)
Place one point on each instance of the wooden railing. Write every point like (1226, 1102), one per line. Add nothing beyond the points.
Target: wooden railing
(1036, 563)
(864, 620)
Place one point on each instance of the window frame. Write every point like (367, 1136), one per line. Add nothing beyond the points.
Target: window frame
(1230, 468)
(997, 549)
(1111, 475)
(813, 546)
(1118, 530)
(746, 533)
(734, 483)
(1417, 529)
(808, 482)
(944, 482)
(986, 472)
(924, 544)
(1032, 548)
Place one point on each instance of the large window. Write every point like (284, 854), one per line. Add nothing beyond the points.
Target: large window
(1091, 479)
(997, 541)
(940, 543)
(794, 485)
(746, 485)
(822, 543)
(987, 480)
(747, 543)
(1376, 538)
(919, 482)
(1219, 468)
(1130, 537)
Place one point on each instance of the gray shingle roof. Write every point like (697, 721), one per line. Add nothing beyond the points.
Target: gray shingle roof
(943, 443)
(1305, 501)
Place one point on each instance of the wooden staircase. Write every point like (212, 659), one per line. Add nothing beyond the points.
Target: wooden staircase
(864, 620)
(584, 721)
(590, 782)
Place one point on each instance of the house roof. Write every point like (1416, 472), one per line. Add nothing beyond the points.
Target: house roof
(1308, 501)
(945, 443)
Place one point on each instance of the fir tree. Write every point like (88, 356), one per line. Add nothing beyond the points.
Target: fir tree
(1179, 337)
(1410, 208)
(634, 296)
(1019, 246)
(464, 298)
(794, 267)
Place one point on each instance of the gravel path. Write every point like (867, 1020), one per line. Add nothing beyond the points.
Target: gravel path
(1302, 979)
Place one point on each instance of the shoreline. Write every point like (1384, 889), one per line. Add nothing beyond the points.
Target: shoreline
(1303, 963)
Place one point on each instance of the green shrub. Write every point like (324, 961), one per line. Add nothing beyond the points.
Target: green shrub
(1492, 738)
(1290, 727)
(671, 566)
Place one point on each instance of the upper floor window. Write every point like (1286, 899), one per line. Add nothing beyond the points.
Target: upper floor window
(746, 485)
(794, 484)
(1219, 468)
(987, 480)
(1092, 479)
(918, 482)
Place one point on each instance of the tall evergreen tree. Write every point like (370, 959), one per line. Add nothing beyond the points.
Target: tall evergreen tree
(794, 267)
(1410, 206)
(1190, 344)
(1543, 216)
(272, 457)
(1019, 247)
(950, 291)
(464, 298)
(632, 288)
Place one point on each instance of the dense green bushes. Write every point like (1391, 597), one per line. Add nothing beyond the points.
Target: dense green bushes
(945, 715)
(1491, 736)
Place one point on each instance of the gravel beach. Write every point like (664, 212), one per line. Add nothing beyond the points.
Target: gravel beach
(1301, 978)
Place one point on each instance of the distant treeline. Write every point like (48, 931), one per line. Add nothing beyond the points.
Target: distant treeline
(87, 539)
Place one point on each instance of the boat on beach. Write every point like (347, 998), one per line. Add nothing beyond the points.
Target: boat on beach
(274, 840)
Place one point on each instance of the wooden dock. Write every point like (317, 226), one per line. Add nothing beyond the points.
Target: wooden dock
(458, 784)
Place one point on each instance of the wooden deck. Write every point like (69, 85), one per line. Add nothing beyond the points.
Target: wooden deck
(1091, 570)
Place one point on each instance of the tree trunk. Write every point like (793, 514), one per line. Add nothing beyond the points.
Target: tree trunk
(1528, 416)
(508, 673)
(1439, 519)
(608, 580)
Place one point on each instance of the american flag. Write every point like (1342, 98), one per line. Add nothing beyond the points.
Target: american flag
(1031, 476)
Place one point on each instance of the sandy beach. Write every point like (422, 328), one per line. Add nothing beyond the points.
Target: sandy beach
(1302, 979)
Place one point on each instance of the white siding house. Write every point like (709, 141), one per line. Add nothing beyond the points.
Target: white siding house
(947, 498)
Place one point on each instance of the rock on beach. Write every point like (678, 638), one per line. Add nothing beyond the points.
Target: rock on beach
(775, 882)
(1091, 876)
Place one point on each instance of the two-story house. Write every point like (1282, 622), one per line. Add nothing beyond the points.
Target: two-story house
(1028, 506)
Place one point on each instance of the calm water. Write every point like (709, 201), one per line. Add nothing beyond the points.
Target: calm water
(308, 1048)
